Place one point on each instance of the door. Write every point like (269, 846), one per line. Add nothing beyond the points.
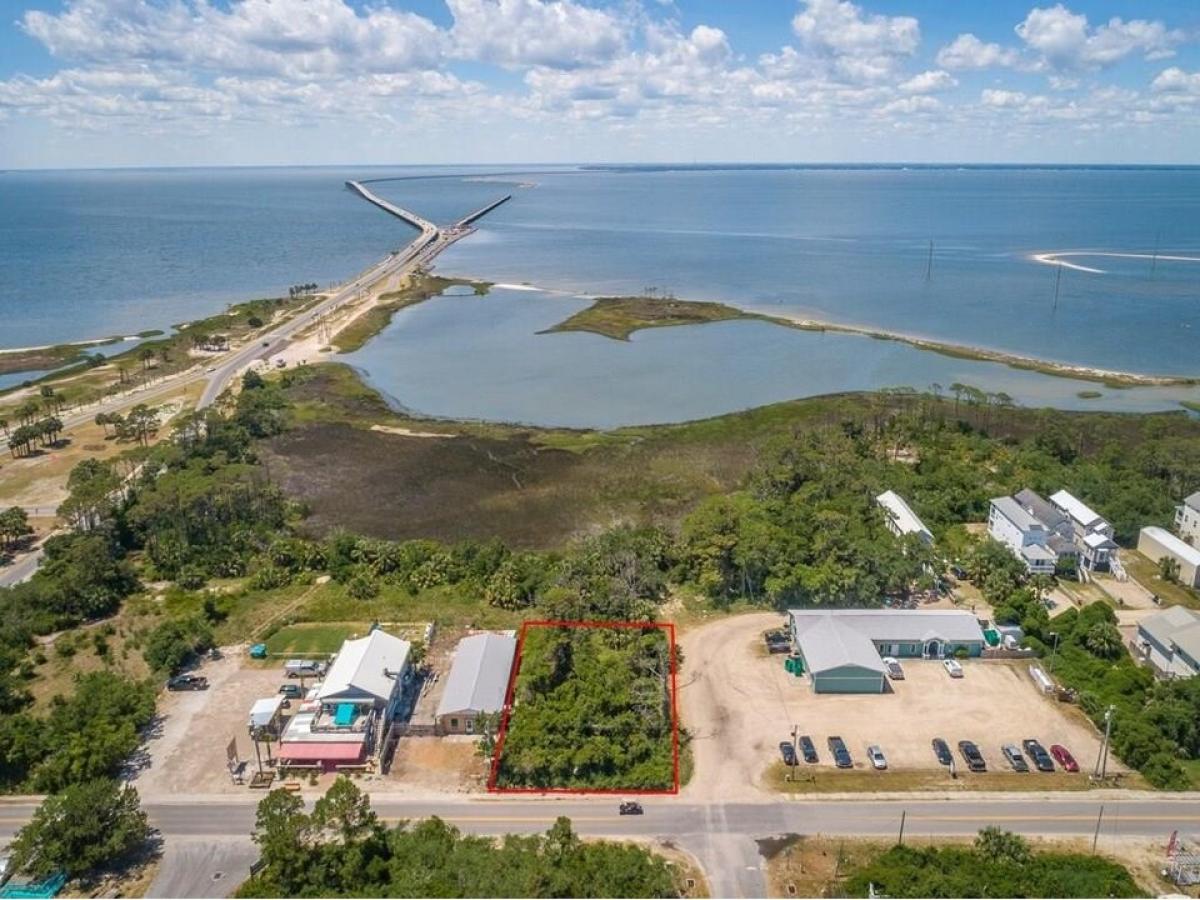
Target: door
(933, 649)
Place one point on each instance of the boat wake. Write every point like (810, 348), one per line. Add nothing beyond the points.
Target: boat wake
(1057, 259)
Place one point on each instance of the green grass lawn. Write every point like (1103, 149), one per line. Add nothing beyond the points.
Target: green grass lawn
(1192, 767)
(313, 638)
(1145, 573)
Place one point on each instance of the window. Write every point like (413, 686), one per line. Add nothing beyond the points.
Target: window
(454, 723)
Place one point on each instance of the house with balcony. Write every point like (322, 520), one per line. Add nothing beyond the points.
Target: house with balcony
(1093, 534)
(1187, 519)
(343, 719)
(1023, 533)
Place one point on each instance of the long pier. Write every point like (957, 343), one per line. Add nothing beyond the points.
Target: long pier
(427, 228)
(480, 213)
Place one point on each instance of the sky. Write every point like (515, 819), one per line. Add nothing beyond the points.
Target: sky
(98, 83)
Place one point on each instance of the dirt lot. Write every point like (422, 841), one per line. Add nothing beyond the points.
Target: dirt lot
(186, 752)
(739, 704)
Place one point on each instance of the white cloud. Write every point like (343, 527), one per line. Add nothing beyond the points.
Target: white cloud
(1176, 81)
(1065, 39)
(928, 82)
(968, 52)
(294, 38)
(862, 47)
(557, 33)
(911, 106)
(1001, 99)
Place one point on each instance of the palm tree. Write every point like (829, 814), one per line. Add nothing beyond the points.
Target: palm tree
(1103, 640)
(957, 390)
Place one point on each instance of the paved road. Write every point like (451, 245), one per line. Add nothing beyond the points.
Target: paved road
(205, 836)
(22, 569)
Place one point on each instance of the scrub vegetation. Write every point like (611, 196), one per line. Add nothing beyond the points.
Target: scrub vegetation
(341, 849)
(619, 317)
(592, 709)
(999, 864)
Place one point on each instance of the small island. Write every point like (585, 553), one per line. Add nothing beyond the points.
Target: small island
(619, 317)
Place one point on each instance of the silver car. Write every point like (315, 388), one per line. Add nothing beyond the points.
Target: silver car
(875, 755)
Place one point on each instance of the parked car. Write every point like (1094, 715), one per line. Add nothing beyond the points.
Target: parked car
(631, 808)
(942, 751)
(1064, 758)
(291, 691)
(788, 752)
(953, 668)
(1041, 759)
(1012, 753)
(893, 668)
(971, 755)
(875, 755)
(808, 750)
(778, 641)
(303, 668)
(841, 755)
(188, 683)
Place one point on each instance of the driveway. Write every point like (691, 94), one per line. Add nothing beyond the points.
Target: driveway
(739, 703)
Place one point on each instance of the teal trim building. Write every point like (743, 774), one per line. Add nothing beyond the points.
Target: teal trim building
(842, 649)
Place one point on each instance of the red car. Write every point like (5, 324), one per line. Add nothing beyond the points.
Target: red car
(1064, 758)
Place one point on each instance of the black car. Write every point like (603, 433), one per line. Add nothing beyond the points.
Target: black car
(841, 755)
(972, 756)
(291, 691)
(808, 750)
(188, 683)
(788, 752)
(631, 808)
(942, 751)
(1041, 758)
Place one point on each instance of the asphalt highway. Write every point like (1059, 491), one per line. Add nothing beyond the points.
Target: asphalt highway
(209, 836)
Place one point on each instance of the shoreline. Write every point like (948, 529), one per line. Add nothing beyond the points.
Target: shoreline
(1113, 378)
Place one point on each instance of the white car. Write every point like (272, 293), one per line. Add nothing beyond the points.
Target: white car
(953, 668)
(893, 668)
(875, 754)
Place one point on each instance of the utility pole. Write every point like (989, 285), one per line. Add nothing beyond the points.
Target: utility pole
(1057, 284)
(929, 264)
(1053, 650)
(903, 816)
(1096, 836)
(1102, 757)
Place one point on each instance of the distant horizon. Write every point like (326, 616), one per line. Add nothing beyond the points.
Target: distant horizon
(593, 166)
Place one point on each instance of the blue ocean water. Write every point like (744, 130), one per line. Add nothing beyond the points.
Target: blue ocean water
(88, 254)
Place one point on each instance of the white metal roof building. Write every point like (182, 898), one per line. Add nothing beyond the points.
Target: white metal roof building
(842, 648)
(1187, 518)
(1171, 641)
(478, 680)
(1157, 542)
(901, 520)
(367, 670)
(1083, 517)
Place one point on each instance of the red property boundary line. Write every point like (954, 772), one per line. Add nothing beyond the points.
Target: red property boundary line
(494, 772)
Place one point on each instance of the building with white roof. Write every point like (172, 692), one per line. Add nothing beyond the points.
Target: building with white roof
(1023, 533)
(1156, 543)
(900, 518)
(842, 649)
(265, 714)
(1187, 519)
(477, 683)
(1093, 533)
(1170, 641)
(352, 708)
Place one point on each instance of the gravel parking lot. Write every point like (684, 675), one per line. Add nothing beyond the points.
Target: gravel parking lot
(739, 703)
(185, 753)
